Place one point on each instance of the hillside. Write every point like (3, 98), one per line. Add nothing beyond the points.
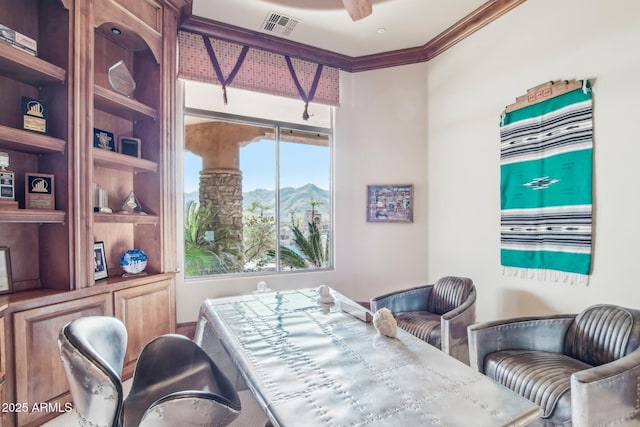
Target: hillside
(291, 199)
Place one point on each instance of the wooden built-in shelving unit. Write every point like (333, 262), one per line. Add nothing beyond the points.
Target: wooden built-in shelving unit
(52, 250)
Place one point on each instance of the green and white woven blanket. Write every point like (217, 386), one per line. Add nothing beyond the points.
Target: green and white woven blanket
(545, 190)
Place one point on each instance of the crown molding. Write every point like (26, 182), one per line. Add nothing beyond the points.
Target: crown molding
(219, 30)
(476, 20)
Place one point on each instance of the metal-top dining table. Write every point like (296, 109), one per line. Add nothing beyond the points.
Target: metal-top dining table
(311, 364)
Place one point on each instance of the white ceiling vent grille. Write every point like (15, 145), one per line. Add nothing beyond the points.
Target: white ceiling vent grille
(280, 24)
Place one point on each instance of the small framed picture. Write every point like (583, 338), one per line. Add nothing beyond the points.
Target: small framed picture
(99, 261)
(6, 282)
(103, 139)
(390, 203)
(39, 191)
(130, 146)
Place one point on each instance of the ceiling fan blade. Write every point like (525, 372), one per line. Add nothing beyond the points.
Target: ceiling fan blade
(358, 9)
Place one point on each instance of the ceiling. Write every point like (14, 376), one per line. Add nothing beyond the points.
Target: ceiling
(325, 24)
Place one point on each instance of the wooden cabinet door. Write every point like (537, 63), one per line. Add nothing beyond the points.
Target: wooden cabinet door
(40, 376)
(147, 311)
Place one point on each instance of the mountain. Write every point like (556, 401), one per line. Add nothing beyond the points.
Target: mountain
(296, 200)
(291, 199)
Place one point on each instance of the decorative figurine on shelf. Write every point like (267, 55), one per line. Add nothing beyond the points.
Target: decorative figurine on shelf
(131, 205)
(133, 262)
(100, 200)
(120, 79)
(7, 184)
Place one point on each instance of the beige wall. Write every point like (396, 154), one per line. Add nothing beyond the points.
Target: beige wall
(435, 125)
(468, 87)
(380, 134)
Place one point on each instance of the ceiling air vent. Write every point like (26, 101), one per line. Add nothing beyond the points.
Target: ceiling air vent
(280, 24)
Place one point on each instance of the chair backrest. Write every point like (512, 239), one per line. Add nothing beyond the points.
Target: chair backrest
(172, 376)
(92, 350)
(448, 293)
(603, 333)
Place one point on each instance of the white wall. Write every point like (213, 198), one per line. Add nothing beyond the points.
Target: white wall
(380, 134)
(435, 125)
(468, 87)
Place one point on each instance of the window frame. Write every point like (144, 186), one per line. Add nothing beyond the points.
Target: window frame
(276, 125)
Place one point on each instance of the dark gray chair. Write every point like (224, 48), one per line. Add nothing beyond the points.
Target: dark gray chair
(196, 394)
(582, 370)
(438, 314)
(175, 382)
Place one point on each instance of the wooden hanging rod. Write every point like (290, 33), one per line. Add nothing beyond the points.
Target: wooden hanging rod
(543, 92)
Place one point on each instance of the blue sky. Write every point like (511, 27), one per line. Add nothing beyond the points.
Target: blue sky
(300, 164)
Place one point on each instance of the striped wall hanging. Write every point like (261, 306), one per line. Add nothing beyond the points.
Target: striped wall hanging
(546, 145)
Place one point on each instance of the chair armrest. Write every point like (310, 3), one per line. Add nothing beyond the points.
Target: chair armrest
(525, 333)
(607, 394)
(454, 323)
(463, 308)
(414, 299)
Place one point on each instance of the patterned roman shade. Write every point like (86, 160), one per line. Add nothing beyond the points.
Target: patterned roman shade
(261, 71)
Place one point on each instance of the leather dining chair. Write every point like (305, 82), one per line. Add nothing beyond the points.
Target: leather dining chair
(438, 314)
(581, 369)
(197, 394)
(174, 383)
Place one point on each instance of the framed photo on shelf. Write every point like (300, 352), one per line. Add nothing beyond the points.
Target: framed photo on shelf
(99, 261)
(6, 282)
(130, 146)
(103, 139)
(390, 203)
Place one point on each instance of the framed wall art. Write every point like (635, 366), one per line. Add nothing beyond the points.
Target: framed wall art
(6, 282)
(390, 203)
(99, 261)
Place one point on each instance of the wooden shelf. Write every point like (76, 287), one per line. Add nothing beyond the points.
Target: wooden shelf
(117, 282)
(29, 69)
(23, 140)
(121, 106)
(37, 216)
(125, 218)
(122, 162)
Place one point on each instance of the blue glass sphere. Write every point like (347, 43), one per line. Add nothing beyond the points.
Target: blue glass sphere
(133, 261)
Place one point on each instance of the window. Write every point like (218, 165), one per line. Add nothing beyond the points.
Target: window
(257, 195)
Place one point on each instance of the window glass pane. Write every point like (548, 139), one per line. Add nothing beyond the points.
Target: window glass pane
(214, 217)
(305, 203)
(258, 165)
(257, 194)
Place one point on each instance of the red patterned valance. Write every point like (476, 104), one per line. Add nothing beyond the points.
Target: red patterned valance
(261, 71)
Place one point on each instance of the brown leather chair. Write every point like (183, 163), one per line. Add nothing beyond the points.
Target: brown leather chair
(438, 314)
(580, 369)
